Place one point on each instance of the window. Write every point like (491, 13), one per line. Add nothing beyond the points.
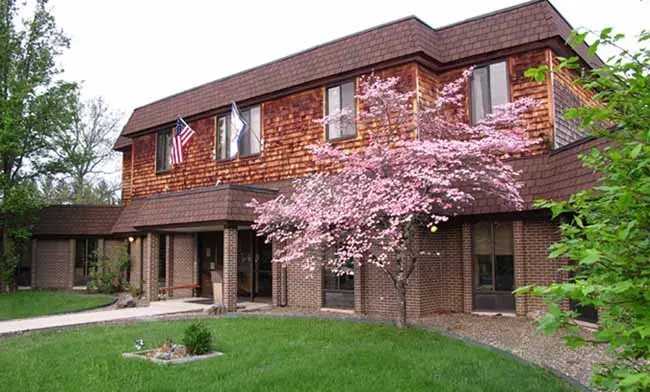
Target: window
(493, 256)
(162, 261)
(163, 150)
(250, 142)
(488, 89)
(338, 291)
(338, 98)
(84, 260)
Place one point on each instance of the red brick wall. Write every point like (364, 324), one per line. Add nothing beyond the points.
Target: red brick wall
(539, 269)
(54, 263)
(304, 289)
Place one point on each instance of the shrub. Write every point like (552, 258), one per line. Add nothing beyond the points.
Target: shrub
(198, 339)
(109, 273)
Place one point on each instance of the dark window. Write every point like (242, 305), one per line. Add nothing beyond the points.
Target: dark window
(163, 150)
(338, 290)
(493, 256)
(338, 98)
(488, 89)
(250, 143)
(84, 261)
(162, 261)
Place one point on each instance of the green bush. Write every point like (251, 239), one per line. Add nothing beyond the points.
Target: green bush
(108, 274)
(198, 339)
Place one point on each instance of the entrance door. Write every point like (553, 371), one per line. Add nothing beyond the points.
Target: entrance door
(494, 272)
(253, 265)
(210, 248)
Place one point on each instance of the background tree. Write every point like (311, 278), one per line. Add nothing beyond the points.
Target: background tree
(35, 105)
(375, 203)
(607, 233)
(86, 147)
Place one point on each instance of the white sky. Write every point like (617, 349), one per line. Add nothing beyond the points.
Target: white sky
(133, 52)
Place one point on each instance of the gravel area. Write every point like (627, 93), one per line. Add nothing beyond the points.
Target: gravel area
(517, 335)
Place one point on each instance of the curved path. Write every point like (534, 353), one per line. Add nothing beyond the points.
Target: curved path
(158, 308)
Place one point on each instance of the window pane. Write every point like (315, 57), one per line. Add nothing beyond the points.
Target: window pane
(222, 138)
(244, 145)
(504, 273)
(255, 130)
(161, 153)
(333, 105)
(232, 139)
(479, 94)
(162, 261)
(503, 238)
(504, 270)
(168, 149)
(498, 84)
(92, 253)
(347, 98)
(483, 262)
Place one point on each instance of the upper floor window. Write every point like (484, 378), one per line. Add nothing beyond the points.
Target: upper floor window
(488, 88)
(163, 150)
(249, 143)
(341, 97)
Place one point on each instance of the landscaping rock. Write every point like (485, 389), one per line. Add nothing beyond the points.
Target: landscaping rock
(215, 310)
(125, 301)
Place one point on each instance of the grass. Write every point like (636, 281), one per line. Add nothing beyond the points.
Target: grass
(266, 354)
(32, 303)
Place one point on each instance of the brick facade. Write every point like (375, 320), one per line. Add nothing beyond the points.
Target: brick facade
(54, 263)
(230, 268)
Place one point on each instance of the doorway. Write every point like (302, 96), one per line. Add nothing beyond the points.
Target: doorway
(494, 266)
(254, 276)
(210, 255)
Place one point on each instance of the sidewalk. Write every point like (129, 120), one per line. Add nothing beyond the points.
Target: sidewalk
(157, 308)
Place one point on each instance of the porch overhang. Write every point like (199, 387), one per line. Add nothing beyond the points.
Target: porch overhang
(209, 207)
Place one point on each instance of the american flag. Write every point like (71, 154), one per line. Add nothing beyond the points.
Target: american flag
(182, 136)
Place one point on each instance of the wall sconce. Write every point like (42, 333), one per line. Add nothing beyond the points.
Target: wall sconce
(131, 239)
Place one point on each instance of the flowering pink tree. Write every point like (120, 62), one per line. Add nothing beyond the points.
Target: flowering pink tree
(420, 168)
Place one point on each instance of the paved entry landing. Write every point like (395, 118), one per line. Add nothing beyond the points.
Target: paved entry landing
(158, 308)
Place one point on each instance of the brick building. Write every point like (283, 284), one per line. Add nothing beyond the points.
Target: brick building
(185, 222)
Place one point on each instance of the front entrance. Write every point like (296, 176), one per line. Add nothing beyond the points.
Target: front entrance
(210, 249)
(494, 272)
(254, 255)
(254, 278)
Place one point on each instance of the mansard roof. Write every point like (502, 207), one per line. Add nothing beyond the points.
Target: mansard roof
(533, 22)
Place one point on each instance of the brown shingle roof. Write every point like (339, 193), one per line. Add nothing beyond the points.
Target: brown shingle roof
(200, 206)
(525, 23)
(126, 220)
(76, 220)
(553, 176)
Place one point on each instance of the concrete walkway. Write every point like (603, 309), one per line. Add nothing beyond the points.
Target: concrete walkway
(158, 308)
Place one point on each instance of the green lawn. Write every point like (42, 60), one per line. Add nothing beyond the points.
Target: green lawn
(32, 303)
(266, 354)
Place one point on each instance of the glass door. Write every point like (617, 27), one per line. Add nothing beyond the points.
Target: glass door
(494, 272)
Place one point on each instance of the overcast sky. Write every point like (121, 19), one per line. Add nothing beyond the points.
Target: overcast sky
(133, 52)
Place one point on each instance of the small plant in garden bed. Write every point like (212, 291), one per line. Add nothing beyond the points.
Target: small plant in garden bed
(198, 339)
(197, 345)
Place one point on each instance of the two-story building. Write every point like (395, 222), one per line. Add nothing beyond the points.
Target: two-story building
(183, 222)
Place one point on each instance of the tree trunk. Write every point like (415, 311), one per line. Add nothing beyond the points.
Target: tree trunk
(400, 288)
